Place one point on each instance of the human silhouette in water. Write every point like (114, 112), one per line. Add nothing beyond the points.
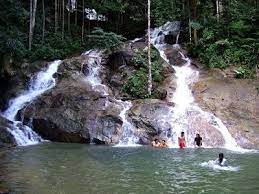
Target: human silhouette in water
(181, 141)
(221, 160)
(156, 143)
(198, 140)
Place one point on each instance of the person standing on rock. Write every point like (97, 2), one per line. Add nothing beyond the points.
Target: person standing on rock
(181, 141)
(198, 140)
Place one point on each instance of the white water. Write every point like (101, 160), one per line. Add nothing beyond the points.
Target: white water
(94, 59)
(184, 100)
(213, 165)
(42, 82)
(128, 138)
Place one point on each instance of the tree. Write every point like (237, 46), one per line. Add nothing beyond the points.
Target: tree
(63, 19)
(43, 21)
(33, 8)
(83, 21)
(149, 53)
(56, 16)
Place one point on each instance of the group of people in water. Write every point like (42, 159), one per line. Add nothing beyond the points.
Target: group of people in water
(182, 144)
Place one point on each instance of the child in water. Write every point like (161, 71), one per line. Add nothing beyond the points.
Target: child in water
(181, 141)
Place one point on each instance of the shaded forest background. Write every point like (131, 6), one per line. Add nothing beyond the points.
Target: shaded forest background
(220, 33)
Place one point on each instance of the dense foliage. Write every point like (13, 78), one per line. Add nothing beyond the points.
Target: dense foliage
(221, 33)
(136, 84)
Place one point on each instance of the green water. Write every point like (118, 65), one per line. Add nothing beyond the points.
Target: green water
(74, 169)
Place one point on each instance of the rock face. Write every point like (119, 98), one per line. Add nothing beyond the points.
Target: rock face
(74, 111)
(80, 111)
(235, 102)
(6, 139)
(151, 117)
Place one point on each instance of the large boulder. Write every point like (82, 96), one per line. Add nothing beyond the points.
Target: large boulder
(234, 101)
(151, 118)
(75, 110)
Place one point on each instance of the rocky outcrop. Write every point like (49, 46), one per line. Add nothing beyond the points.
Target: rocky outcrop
(6, 139)
(14, 80)
(151, 118)
(75, 111)
(234, 101)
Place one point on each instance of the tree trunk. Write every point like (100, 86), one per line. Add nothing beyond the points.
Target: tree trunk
(43, 21)
(63, 18)
(172, 6)
(217, 10)
(30, 30)
(195, 36)
(33, 8)
(189, 15)
(76, 13)
(149, 53)
(56, 16)
(83, 21)
(68, 21)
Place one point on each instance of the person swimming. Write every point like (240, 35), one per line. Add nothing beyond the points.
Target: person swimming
(181, 141)
(198, 140)
(163, 144)
(221, 160)
(156, 143)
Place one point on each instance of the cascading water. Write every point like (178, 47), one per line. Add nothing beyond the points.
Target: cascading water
(128, 138)
(184, 100)
(93, 77)
(42, 82)
(94, 60)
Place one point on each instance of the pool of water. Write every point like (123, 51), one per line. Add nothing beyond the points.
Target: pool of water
(74, 169)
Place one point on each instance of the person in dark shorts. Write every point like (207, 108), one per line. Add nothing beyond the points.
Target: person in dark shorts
(198, 140)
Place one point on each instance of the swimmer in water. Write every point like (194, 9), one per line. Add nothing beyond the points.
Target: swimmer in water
(221, 160)
(181, 141)
(156, 143)
(163, 144)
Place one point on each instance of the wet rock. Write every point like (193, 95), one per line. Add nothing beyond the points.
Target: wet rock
(151, 118)
(75, 111)
(98, 142)
(173, 55)
(234, 101)
(6, 138)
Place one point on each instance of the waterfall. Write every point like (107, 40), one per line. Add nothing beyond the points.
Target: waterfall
(185, 108)
(94, 60)
(93, 78)
(42, 82)
(128, 138)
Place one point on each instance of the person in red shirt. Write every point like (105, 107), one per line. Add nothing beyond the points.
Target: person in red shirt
(181, 141)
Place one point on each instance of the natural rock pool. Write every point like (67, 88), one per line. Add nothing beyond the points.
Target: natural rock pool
(76, 168)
